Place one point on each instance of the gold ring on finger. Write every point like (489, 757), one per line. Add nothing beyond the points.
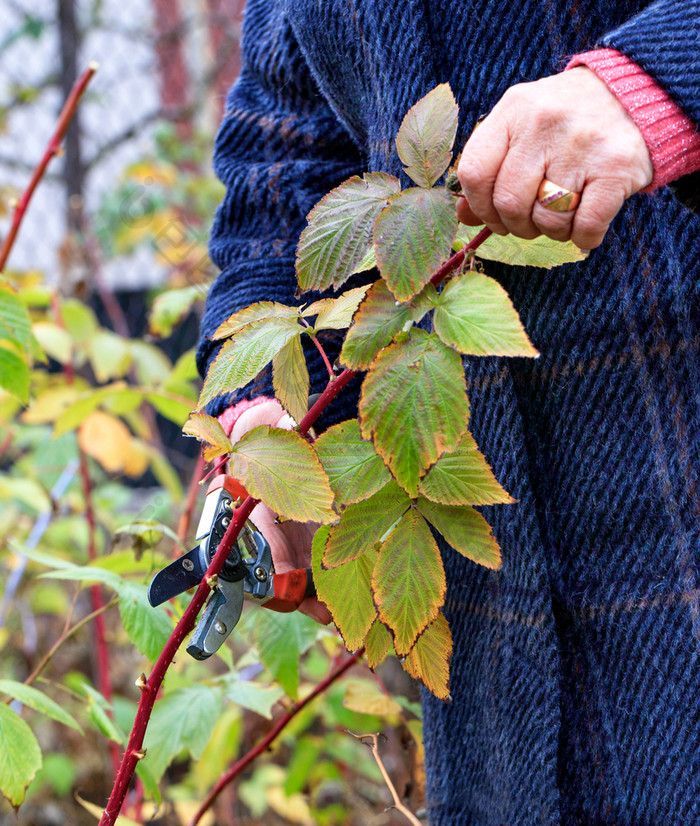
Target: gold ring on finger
(557, 198)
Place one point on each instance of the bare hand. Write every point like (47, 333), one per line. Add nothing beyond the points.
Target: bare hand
(290, 542)
(568, 128)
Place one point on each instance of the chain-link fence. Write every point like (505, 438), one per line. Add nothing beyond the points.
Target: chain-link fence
(116, 205)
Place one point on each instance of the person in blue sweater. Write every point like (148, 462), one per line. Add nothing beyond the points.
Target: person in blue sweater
(576, 668)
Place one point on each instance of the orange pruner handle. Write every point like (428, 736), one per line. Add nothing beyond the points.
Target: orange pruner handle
(290, 590)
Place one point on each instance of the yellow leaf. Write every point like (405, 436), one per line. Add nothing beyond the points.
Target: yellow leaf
(294, 808)
(429, 659)
(366, 697)
(98, 810)
(208, 430)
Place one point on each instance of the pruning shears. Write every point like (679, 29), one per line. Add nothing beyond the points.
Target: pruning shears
(248, 572)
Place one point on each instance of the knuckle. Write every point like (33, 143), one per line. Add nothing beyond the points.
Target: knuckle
(471, 172)
(508, 204)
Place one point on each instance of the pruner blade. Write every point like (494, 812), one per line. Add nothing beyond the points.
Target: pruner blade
(218, 620)
(178, 577)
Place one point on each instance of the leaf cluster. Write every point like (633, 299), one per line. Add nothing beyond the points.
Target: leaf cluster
(407, 470)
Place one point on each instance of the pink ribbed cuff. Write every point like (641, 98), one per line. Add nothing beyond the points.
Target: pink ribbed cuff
(232, 414)
(672, 139)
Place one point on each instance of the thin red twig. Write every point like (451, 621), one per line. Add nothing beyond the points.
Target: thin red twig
(52, 149)
(104, 678)
(272, 735)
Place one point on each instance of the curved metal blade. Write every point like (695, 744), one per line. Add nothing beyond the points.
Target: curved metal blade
(176, 578)
(220, 617)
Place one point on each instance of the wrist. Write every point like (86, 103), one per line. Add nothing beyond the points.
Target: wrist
(671, 138)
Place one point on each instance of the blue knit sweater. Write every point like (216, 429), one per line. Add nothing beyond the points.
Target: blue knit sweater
(576, 673)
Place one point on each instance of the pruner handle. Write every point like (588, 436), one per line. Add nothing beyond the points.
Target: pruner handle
(290, 590)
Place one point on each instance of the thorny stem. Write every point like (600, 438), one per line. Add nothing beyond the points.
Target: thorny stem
(104, 678)
(150, 690)
(67, 633)
(52, 149)
(374, 748)
(272, 735)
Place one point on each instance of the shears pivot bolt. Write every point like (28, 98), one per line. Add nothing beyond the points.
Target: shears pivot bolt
(260, 574)
(188, 565)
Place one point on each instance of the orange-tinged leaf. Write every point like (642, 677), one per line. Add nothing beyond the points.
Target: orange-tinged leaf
(208, 430)
(379, 318)
(354, 468)
(408, 580)
(474, 315)
(463, 477)
(106, 439)
(465, 530)
(377, 643)
(362, 526)
(414, 405)
(425, 139)
(429, 659)
(339, 232)
(282, 469)
(413, 235)
(262, 312)
(346, 591)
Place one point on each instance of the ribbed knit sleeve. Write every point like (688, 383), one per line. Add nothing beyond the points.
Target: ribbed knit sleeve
(278, 151)
(664, 40)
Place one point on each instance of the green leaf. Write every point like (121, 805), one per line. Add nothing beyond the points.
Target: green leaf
(281, 639)
(88, 574)
(14, 374)
(369, 262)
(412, 237)
(181, 721)
(20, 756)
(15, 323)
(263, 312)
(170, 307)
(258, 698)
(354, 469)
(425, 139)
(110, 355)
(377, 643)
(98, 709)
(346, 591)
(173, 407)
(151, 364)
(208, 430)
(509, 249)
(465, 530)
(379, 318)
(414, 405)
(362, 526)
(474, 315)
(463, 477)
(79, 319)
(120, 396)
(290, 379)
(408, 580)
(339, 231)
(37, 700)
(336, 313)
(54, 341)
(244, 356)
(429, 659)
(148, 628)
(282, 469)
